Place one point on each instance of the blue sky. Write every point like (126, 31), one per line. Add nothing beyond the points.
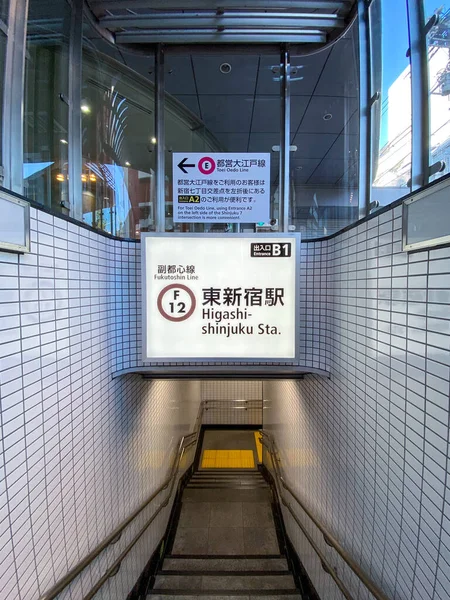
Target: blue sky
(395, 42)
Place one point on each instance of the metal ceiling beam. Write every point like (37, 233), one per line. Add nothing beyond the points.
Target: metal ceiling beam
(330, 5)
(203, 36)
(210, 20)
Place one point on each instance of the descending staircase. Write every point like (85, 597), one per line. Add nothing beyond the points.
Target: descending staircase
(226, 543)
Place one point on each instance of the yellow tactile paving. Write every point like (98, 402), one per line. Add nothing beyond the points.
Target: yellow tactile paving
(258, 446)
(228, 459)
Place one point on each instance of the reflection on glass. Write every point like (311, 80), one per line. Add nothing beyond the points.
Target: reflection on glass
(324, 175)
(46, 112)
(438, 55)
(391, 116)
(234, 106)
(4, 8)
(118, 176)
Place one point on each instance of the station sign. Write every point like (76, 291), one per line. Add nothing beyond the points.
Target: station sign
(221, 187)
(215, 297)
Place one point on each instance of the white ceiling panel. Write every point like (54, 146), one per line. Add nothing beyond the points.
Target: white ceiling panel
(179, 75)
(329, 170)
(340, 108)
(263, 142)
(226, 114)
(313, 145)
(308, 70)
(344, 147)
(303, 168)
(298, 108)
(233, 142)
(339, 76)
(241, 79)
(266, 114)
(191, 102)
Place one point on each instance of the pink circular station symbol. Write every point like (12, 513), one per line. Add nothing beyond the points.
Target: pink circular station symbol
(206, 165)
(176, 302)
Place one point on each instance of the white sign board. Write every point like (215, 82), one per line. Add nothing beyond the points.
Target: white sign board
(14, 223)
(219, 297)
(221, 187)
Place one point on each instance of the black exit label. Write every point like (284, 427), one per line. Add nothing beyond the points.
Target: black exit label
(271, 250)
(189, 199)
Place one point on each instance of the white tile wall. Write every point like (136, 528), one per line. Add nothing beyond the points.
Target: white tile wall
(79, 450)
(368, 449)
(232, 402)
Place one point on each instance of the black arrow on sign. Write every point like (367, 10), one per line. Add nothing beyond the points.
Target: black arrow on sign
(182, 164)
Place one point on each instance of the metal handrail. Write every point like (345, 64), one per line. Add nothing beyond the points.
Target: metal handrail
(329, 539)
(113, 537)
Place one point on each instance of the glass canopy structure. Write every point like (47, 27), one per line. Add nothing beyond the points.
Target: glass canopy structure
(98, 95)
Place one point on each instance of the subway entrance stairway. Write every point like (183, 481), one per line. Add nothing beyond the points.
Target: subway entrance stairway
(227, 540)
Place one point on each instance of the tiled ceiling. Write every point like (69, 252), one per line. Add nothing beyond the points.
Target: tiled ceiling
(242, 108)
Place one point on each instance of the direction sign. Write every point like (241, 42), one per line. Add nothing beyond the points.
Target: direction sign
(221, 187)
(215, 297)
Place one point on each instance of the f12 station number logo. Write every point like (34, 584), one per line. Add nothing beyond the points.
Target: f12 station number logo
(176, 302)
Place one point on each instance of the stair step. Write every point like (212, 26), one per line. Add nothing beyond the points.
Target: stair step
(219, 595)
(246, 472)
(204, 485)
(225, 583)
(224, 572)
(225, 478)
(228, 470)
(226, 564)
(228, 476)
(226, 495)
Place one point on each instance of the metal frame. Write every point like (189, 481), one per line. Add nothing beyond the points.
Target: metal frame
(13, 99)
(337, 5)
(20, 248)
(160, 213)
(269, 443)
(421, 195)
(75, 139)
(12, 141)
(420, 118)
(185, 442)
(285, 141)
(220, 360)
(158, 22)
(365, 112)
(212, 35)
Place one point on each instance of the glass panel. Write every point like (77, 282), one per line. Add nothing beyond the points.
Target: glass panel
(4, 8)
(391, 114)
(3, 40)
(438, 45)
(46, 113)
(118, 110)
(221, 103)
(324, 174)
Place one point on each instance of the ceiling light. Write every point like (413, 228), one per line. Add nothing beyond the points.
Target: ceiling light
(225, 68)
(85, 109)
(153, 140)
(127, 164)
(64, 142)
(83, 177)
(92, 177)
(60, 177)
(327, 116)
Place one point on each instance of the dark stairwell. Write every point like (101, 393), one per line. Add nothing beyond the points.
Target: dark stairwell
(228, 542)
